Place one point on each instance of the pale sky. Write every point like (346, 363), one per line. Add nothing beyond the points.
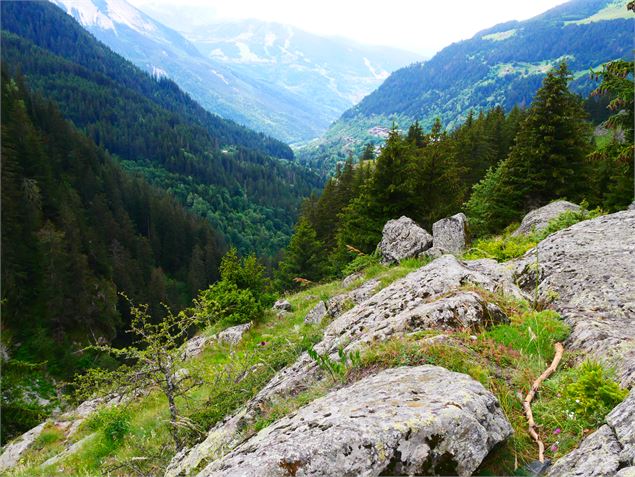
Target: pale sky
(423, 26)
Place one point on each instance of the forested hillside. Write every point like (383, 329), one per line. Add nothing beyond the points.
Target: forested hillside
(501, 66)
(222, 171)
(76, 231)
(495, 167)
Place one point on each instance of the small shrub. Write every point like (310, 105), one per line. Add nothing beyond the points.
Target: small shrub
(360, 262)
(113, 422)
(567, 219)
(224, 302)
(501, 248)
(337, 369)
(594, 393)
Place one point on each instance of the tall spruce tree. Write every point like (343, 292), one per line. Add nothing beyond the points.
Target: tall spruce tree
(547, 161)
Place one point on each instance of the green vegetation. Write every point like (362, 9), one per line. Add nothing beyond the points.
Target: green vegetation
(507, 246)
(496, 167)
(240, 296)
(494, 68)
(241, 181)
(76, 230)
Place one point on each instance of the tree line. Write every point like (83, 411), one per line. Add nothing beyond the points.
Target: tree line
(495, 167)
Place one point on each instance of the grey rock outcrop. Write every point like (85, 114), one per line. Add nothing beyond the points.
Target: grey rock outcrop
(316, 314)
(352, 278)
(13, 451)
(428, 298)
(345, 301)
(538, 219)
(402, 238)
(195, 346)
(234, 334)
(607, 450)
(420, 420)
(282, 305)
(587, 273)
(434, 252)
(451, 233)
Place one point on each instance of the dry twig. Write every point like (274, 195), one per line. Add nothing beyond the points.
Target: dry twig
(530, 395)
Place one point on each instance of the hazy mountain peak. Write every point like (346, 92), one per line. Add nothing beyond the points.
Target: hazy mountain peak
(106, 14)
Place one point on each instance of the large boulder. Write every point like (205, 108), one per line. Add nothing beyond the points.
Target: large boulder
(451, 233)
(13, 451)
(282, 305)
(538, 219)
(587, 273)
(607, 450)
(234, 334)
(412, 420)
(345, 301)
(429, 298)
(402, 238)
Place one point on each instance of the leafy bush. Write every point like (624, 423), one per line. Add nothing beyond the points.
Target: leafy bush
(224, 302)
(567, 219)
(114, 422)
(501, 248)
(594, 393)
(337, 369)
(240, 296)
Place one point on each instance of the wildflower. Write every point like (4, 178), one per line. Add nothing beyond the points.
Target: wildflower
(557, 431)
(554, 448)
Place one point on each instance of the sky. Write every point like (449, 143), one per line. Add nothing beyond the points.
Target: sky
(422, 26)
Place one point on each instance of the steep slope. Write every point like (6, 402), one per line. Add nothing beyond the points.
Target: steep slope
(234, 93)
(328, 74)
(222, 170)
(77, 230)
(503, 65)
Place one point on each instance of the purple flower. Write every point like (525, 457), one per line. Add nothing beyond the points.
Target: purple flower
(557, 431)
(554, 448)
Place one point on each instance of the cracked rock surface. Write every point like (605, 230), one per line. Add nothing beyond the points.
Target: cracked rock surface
(431, 297)
(588, 272)
(403, 238)
(409, 420)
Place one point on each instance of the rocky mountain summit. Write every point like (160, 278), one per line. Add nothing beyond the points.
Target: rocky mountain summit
(424, 419)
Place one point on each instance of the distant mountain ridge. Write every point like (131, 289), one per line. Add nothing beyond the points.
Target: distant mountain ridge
(244, 95)
(503, 65)
(329, 74)
(222, 171)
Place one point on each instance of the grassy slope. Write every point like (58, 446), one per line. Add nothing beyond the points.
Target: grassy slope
(505, 358)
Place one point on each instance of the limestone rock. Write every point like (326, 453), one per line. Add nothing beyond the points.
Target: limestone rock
(626, 472)
(587, 272)
(352, 278)
(428, 298)
(409, 420)
(317, 314)
(403, 238)
(434, 252)
(282, 305)
(345, 301)
(234, 334)
(13, 450)
(597, 456)
(451, 233)
(538, 219)
(195, 346)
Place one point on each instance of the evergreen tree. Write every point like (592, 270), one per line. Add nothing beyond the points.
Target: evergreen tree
(547, 161)
(304, 258)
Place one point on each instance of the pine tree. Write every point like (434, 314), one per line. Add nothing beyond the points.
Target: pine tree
(304, 258)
